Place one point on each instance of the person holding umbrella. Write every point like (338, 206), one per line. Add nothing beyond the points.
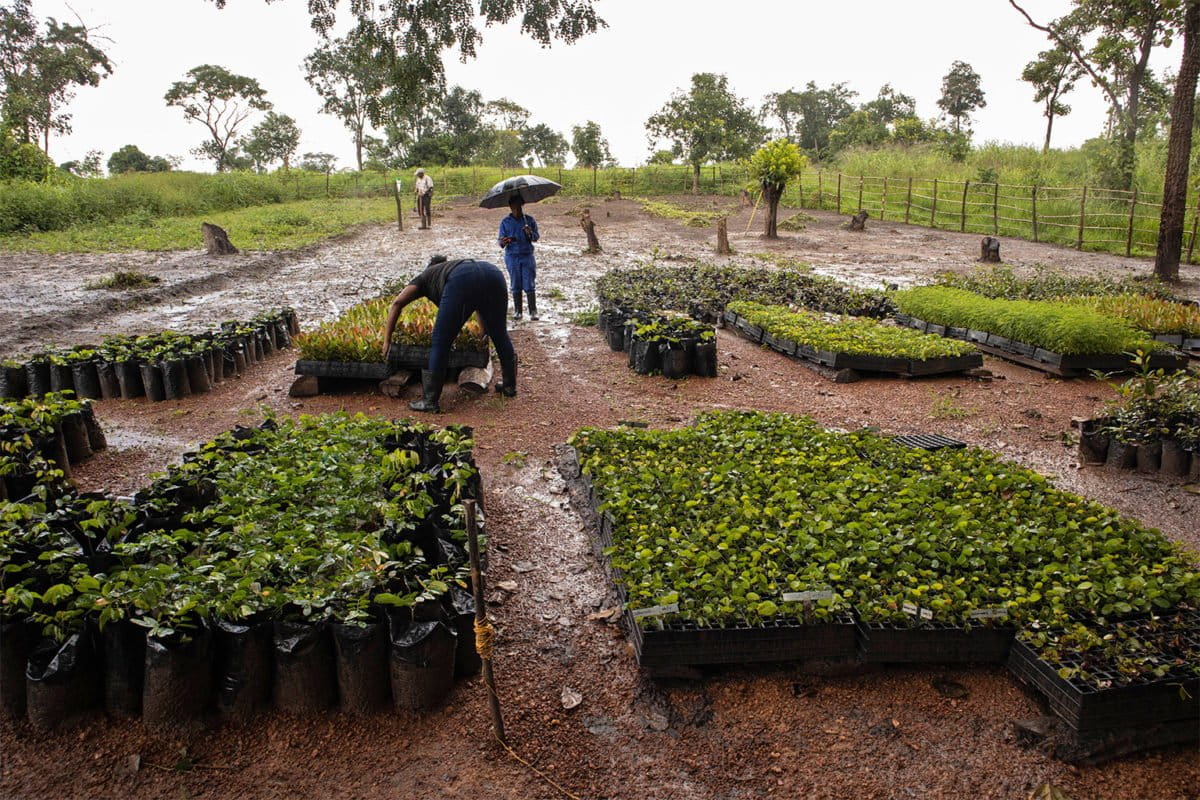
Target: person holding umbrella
(458, 288)
(518, 232)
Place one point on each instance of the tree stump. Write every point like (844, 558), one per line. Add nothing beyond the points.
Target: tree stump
(305, 386)
(745, 198)
(589, 227)
(393, 385)
(989, 250)
(216, 240)
(616, 195)
(723, 248)
(859, 221)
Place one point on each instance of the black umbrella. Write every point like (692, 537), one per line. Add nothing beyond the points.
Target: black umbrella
(531, 188)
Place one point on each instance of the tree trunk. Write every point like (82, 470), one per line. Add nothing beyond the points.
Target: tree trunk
(589, 228)
(1049, 127)
(771, 228)
(723, 248)
(216, 240)
(358, 148)
(695, 179)
(1179, 150)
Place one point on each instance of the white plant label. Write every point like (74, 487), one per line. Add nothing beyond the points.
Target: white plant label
(988, 613)
(655, 611)
(807, 597)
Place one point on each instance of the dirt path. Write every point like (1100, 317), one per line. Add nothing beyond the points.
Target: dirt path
(741, 733)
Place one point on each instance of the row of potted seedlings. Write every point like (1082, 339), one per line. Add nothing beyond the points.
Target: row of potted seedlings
(1057, 336)
(857, 343)
(752, 536)
(41, 439)
(1153, 426)
(163, 366)
(302, 565)
(671, 345)
(350, 346)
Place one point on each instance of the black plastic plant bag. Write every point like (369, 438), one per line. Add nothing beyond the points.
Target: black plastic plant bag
(129, 376)
(110, 386)
(15, 641)
(124, 668)
(14, 382)
(305, 674)
(37, 378)
(460, 605)
(421, 663)
(197, 375)
(704, 363)
(61, 680)
(86, 380)
(675, 361)
(175, 379)
(152, 382)
(178, 680)
(363, 683)
(243, 665)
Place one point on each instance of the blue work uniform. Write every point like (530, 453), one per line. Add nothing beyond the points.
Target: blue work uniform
(518, 255)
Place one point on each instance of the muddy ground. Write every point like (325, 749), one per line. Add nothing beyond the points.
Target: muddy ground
(740, 733)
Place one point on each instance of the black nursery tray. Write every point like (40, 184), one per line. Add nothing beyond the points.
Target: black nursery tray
(1088, 709)
(905, 367)
(931, 642)
(1067, 366)
(399, 358)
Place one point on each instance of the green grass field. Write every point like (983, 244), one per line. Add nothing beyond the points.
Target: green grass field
(278, 226)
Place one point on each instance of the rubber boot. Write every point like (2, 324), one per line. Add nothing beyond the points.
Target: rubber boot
(516, 304)
(508, 379)
(533, 315)
(431, 392)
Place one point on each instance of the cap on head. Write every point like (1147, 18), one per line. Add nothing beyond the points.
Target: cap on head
(420, 172)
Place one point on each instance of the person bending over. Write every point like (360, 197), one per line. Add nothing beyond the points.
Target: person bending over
(458, 288)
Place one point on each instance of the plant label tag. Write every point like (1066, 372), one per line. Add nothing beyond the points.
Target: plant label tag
(988, 613)
(807, 597)
(910, 609)
(655, 611)
(926, 613)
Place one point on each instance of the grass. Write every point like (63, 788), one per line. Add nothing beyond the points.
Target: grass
(554, 293)
(123, 280)
(947, 407)
(782, 261)
(690, 217)
(280, 226)
(588, 318)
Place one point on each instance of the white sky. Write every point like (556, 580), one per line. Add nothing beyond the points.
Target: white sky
(618, 77)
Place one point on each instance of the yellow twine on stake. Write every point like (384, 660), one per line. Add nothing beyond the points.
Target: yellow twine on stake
(485, 638)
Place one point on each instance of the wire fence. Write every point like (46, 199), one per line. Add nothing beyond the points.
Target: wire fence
(1083, 217)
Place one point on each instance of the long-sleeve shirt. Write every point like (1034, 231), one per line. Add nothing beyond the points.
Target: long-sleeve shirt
(521, 244)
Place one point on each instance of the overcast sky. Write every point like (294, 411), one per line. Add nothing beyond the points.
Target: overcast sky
(617, 77)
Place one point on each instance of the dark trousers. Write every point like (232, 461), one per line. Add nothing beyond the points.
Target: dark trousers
(472, 286)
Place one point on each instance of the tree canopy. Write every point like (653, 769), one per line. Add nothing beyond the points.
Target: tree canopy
(961, 94)
(219, 100)
(589, 145)
(708, 122)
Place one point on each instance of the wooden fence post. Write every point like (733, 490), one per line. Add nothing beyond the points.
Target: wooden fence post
(996, 209)
(933, 208)
(593, 180)
(820, 205)
(800, 185)
(860, 191)
(883, 200)
(1035, 229)
(908, 201)
(1082, 205)
(962, 227)
(473, 180)
(1129, 233)
(839, 194)
(399, 207)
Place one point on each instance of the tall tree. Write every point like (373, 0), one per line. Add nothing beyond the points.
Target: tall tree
(773, 165)
(219, 100)
(589, 145)
(1122, 35)
(822, 110)
(890, 105)
(351, 83)
(961, 94)
(784, 107)
(276, 138)
(1052, 74)
(130, 158)
(1179, 150)
(706, 123)
(39, 71)
(548, 146)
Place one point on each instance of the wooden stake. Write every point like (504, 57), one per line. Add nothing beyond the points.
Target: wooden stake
(1082, 206)
(839, 194)
(399, 207)
(908, 201)
(933, 208)
(996, 209)
(1129, 232)
(1033, 194)
(860, 191)
(883, 200)
(489, 677)
(753, 212)
(820, 204)
(962, 227)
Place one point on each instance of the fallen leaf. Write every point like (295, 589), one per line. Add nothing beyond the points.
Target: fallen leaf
(571, 698)
(948, 688)
(508, 586)
(1192, 488)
